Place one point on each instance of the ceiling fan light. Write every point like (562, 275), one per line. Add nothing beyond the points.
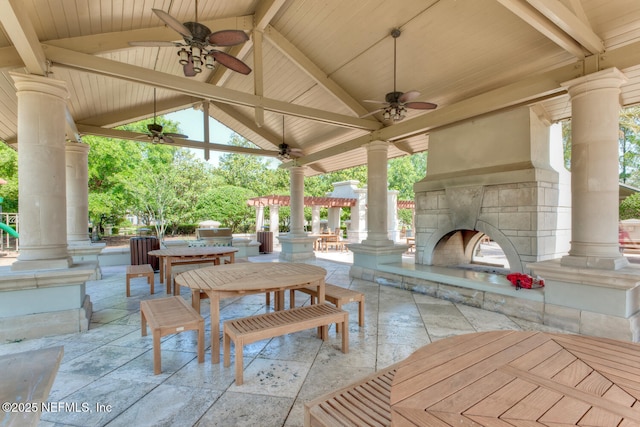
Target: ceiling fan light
(195, 53)
(197, 65)
(209, 61)
(184, 56)
(386, 115)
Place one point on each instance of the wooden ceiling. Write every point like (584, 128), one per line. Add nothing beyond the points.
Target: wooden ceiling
(315, 62)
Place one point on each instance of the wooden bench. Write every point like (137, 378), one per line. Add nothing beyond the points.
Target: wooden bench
(255, 328)
(167, 316)
(334, 294)
(364, 403)
(143, 270)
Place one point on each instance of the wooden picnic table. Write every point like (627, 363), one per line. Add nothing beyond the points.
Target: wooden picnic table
(233, 280)
(516, 378)
(189, 255)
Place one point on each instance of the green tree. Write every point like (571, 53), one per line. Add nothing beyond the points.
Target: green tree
(228, 204)
(629, 141)
(9, 172)
(630, 207)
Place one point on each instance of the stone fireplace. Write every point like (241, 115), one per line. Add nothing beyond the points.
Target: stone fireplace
(500, 176)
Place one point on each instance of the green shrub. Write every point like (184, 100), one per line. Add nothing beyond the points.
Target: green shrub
(630, 207)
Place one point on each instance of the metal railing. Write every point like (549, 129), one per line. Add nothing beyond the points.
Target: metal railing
(9, 218)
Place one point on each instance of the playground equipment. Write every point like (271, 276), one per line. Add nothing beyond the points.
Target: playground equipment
(9, 230)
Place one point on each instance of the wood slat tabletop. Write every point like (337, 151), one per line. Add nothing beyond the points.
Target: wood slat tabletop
(516, 378)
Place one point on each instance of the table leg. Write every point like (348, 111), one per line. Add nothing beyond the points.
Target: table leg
(162, 261)
(214, 299)
(232, 257)
(324, 330)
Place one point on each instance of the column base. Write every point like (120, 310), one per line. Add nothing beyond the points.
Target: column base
(87, 252)
(43, 303)
(369, 256)
(590, 301)
(296, 248)
(597, 262)
(42, 264)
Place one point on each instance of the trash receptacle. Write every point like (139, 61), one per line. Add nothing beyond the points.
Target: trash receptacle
(140, 248)
(266, 241)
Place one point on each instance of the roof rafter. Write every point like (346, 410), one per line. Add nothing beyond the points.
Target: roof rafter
(18, 27)
(533, 17)
(142, 75)
(313, 71)
(140, 137)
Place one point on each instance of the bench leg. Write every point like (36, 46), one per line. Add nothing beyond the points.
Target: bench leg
(239, 362)
(201, 341)
(268, 298)
(143, 324)
(151, 284)
(338, 325)
(226, 349)
(345, 334)
(157, 365)
(128, 286)
(195, 300)
(361, 313)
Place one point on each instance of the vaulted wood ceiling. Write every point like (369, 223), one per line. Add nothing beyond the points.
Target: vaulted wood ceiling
(315, 62)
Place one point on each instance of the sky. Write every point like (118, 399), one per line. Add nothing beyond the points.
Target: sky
(191, 123)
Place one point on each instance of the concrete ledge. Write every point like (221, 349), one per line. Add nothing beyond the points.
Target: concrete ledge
(114, 256)
(46, 324)
(477, 289)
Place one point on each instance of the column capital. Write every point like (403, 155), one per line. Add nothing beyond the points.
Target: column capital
(609, 78)
(378, 144)
(79, 147)
(33, 83)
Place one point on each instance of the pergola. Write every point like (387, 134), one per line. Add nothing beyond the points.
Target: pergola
(68, 70)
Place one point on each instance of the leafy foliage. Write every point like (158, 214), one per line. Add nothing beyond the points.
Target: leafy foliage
(228, 204)
(630, 207)
(9, 172)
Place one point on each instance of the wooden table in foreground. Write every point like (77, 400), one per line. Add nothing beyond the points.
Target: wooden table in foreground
(25, 382)
(514, 378)
(187, 255)
(233, 280)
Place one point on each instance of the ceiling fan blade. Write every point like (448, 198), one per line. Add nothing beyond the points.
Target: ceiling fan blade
(188, 69)
(176, 135)
(154, 44)
(372, 113)
(421, 105)
(173, 23)
(167, 138)
(408, 96)
(231, 62)
(227, 37)
(374, 102)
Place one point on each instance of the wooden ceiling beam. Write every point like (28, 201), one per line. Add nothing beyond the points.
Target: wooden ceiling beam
(533, 17)
(313, 71)
(141, 112)
(140, 137)
(568, 22)
(98, 65)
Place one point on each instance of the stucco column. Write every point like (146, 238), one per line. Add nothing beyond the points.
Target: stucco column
(77, 179)
(377, 194)
(41, 173)
(297, 201)
(259, 218)
(274, 220)
(315, 219)
(594, 170)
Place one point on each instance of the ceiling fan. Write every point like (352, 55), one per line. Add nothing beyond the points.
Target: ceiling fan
(285, 152)
(199, 45)
(155, 129)
(396, 103)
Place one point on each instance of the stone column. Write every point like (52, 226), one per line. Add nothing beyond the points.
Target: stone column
(297, 201)
(334, 218)
(392, 215)
(315, 219)
(274, 220)
(259, 218)
(41, 173)
(296, 245)
(377, 194)
(77, 178)
(595, 108)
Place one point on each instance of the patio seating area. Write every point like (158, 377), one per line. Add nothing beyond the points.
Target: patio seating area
(111, 365)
